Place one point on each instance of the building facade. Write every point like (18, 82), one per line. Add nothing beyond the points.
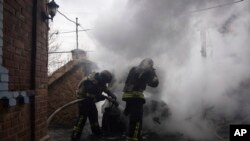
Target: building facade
(23, 70)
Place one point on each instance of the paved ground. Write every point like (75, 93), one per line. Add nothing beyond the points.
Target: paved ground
(60, 134)
(64, 135)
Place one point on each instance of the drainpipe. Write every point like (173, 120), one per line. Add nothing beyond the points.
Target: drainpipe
(33, 71)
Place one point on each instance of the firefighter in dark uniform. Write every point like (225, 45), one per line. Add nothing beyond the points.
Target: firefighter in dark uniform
(138, 78)
(90, 89)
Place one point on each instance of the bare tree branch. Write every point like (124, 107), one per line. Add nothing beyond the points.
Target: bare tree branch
(54, 60)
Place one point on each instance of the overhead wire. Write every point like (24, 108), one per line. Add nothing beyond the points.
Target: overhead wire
(65, 32)
(216, 6)
(66, 17)
(91, 39)
(76, 23)
(195, 11)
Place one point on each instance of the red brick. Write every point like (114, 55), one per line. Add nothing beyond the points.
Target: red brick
(10, 9)
(6, 125)
(17, 35)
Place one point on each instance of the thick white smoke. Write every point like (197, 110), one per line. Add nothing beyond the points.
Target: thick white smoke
(198, 89)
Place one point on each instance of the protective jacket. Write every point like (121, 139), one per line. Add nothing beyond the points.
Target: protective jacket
(137, 80)
(91, 87)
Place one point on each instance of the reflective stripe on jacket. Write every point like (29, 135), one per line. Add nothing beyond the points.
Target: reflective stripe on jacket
(132, 94)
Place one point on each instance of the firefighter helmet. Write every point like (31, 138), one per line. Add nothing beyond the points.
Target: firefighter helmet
(147, 63)
(106, 76)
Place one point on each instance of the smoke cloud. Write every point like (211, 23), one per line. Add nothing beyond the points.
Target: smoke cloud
(201, 91)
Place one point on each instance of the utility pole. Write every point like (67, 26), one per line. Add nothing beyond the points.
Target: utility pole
(77, 24)
(203, 43)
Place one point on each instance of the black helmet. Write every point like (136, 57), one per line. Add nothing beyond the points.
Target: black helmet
(105, 76)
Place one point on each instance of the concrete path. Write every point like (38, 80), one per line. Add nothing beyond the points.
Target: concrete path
(64, 135)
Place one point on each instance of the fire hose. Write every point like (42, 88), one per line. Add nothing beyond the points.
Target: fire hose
(74, 102)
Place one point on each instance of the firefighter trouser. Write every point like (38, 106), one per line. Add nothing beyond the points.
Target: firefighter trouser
(87, 109)
(134, 109)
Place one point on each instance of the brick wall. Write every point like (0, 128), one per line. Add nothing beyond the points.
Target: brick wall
(18, 118)
(17, 42)
(4, 77)
(61, 92)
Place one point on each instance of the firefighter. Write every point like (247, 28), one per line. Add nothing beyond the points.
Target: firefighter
(90, 89)
(137, 80)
